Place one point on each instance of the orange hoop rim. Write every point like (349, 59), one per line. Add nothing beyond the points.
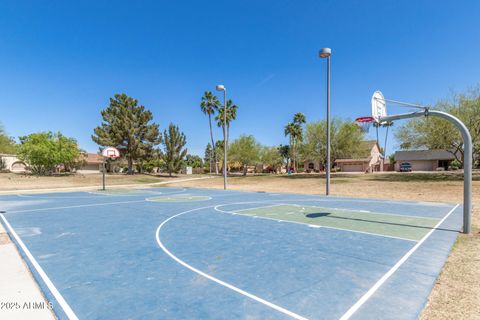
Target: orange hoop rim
(365, 119)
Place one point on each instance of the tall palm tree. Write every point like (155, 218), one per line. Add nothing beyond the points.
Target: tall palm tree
(208, 106)
(299, 118)
(231, 115)
(295, 131)
(290, 130)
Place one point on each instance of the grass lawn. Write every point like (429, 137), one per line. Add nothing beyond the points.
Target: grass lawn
(456, 293)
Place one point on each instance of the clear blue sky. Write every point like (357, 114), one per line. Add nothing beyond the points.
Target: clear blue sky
(60, 61)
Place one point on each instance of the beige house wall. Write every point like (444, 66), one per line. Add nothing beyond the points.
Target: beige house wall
(420, 165)
(13, 163)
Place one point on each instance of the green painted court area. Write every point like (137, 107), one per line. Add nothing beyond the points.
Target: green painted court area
(382, 224)
(182, 198)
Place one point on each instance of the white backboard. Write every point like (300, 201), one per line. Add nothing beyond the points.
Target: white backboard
(111, 152)
(379, 106)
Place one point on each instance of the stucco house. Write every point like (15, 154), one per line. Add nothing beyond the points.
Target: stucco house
(424, 160)
(371, 160)
(92, 163)
(12, 163)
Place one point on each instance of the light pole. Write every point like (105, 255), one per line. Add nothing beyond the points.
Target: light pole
(221, 87)
(326, 53)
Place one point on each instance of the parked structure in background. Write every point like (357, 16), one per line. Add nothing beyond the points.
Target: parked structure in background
(369, 160)
(92, 163)
(424, 160)
(12, 163)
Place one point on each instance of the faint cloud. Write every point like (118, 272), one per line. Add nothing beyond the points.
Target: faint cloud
(265, 80)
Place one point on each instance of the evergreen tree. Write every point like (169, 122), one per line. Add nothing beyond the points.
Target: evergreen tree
(174, 142)
(126, 126)
(208, 156)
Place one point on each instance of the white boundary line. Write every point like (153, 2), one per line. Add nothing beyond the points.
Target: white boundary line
(390, 272)
(341, 209)
(77, 206)
(66, 308)
(307, 224)
(85, 205)
(220, 282)
(185, 197)
(271, 206)
(95, 194)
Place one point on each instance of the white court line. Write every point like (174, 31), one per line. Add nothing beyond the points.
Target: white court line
(306, 224)
(61, 301)
(390, 272)
(220, 282)
(372, 212)
(77, 206)
(185, 197)
(271, 206)
(81, 205)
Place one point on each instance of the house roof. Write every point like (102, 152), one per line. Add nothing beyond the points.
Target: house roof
(423, 155)
(93, 158)
(362, 160)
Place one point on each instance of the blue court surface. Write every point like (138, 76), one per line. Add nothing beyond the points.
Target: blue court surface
(173, 253)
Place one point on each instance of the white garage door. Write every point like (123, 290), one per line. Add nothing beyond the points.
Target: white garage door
(422, 165)
(352, 167)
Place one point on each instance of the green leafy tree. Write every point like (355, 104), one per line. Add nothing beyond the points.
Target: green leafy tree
(126, 126)
(209, 105)
(45, 151)
(193, 161)
(7, 144)
(346, 138)
(244, 150)
(271, 157)
(437, 133)
(231, 115)
(174, 152)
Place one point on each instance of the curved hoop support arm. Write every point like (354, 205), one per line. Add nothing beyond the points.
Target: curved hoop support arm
(467, 156)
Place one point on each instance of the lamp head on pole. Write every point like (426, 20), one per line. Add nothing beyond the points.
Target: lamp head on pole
(325, 52)
(221, 87)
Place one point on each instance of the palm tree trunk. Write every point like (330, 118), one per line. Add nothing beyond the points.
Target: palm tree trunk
(213, 144)
(228, 133)
(294, 156)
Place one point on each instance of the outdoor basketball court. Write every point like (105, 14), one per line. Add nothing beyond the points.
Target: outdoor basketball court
(173, 253)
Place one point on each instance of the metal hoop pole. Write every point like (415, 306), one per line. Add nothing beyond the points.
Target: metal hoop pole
(467, 157)
(327, 190)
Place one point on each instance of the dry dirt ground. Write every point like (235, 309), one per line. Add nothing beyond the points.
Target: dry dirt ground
(457, 292)
(14, 181)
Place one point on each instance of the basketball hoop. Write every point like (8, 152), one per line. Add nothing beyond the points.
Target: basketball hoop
(364, 123)
(111, 152)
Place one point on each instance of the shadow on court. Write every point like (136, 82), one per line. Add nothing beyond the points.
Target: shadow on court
(329, 215)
